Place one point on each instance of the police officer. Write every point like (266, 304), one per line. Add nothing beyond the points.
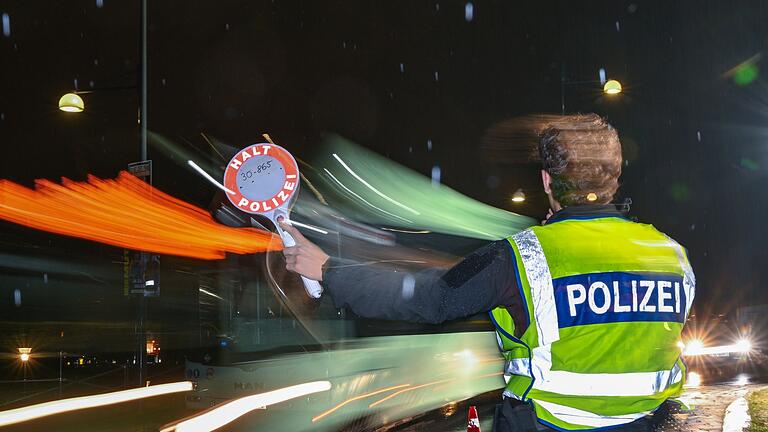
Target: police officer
(588, 308)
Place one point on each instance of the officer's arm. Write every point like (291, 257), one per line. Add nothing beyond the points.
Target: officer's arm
(483, 280)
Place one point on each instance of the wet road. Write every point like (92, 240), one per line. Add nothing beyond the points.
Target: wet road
(717, 387)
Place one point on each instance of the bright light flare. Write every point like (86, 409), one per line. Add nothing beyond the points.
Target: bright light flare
(129, 213)
(467, 357)
(231, 411)
(696, 348)
(694, 380)
(693, 347)
(32, 412)
(743, 346)
(24, 357)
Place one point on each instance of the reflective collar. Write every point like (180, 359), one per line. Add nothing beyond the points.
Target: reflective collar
(588, 211)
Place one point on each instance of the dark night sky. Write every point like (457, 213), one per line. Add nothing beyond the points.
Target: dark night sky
(694, 140)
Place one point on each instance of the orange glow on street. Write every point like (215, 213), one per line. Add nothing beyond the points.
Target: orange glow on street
(128, 213)
(397, 393)
(350, 400)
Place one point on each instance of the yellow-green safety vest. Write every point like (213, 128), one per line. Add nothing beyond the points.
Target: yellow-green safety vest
(606, 300)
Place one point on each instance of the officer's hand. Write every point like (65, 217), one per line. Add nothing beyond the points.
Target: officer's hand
(305, 258)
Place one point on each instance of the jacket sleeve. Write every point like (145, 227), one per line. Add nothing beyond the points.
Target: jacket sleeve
(481, 281)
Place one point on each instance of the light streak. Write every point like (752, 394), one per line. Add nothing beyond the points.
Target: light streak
(363, 199)
(376, 191)
(398, 393)
(32, 412)
(128, 213)
(209, 178)
(231, 411)
(350, 400)
(309, 227)
(406, 231)
(209, 293)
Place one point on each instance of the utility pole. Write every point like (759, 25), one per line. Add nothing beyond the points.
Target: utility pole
(141, 330)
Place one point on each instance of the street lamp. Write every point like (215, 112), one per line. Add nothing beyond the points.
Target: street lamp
(612, 87)
(24, 354)
(71, 102)
(518, 196)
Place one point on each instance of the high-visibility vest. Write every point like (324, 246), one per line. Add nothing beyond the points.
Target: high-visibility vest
(606, 300)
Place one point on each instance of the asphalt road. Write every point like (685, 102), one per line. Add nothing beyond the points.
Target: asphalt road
(719, 386)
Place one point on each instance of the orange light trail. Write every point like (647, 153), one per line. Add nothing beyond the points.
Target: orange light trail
(350, 400)
(397, 393)
(126, 212)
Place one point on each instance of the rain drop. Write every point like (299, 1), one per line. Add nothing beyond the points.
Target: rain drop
(99, 4)
(602, 76)
(402, 67)
(91, 84)
(95, 62)
(437, 76)
(429, 145)
(618, 27)
(75, 82)
(698, 135)
(45, 277)
(436, 176)
(162, 81)
(409, 283)
(6, 25)
(469, 11)
(437, 7)
(226, 26)
(17, 297)
(2, 116)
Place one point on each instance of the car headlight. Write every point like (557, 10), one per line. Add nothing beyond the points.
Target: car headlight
(743, 346)
(693, 347)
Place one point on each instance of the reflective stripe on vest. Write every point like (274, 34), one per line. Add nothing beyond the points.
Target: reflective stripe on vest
(586, 418)
(602, 384)
(537, 272)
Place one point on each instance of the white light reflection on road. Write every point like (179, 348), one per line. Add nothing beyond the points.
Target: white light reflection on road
(694, 380)
(32, 412)
(231, 411)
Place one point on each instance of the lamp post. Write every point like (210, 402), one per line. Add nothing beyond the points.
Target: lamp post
(73, 103)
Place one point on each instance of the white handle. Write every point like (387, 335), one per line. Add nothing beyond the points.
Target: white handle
(313, 287)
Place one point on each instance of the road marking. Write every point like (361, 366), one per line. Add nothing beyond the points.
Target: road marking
(737, 416)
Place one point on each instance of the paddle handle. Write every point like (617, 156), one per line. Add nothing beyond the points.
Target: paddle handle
(313, 287)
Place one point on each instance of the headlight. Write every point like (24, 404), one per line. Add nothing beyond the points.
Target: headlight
(693, 347)
(743, 346)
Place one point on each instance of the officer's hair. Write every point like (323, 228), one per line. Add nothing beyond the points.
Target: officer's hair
(582, 154)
